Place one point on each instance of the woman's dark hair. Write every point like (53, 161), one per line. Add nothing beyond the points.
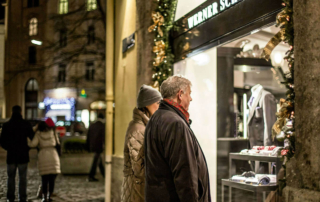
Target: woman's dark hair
(42, 126)
(145, 111)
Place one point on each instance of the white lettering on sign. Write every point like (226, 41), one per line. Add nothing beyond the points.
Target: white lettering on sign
(209, 12)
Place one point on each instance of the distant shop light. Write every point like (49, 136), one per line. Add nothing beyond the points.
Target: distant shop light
(255, 31)
(83, 93)
(41, 105)
(60, 106)
(36, 42)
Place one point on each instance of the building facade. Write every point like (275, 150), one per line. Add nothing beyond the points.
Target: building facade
(55, 54)
(23, 59)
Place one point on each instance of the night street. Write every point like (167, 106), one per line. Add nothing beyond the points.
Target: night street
(67, 188)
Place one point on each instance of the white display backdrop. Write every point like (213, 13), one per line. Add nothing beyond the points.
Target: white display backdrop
(185, 6)
(201, 70)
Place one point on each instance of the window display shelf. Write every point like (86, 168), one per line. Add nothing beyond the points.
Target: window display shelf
(247, 187)
(256, 158)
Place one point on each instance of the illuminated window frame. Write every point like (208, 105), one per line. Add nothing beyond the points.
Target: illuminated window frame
(63, 6)
(33, 27)
(91, 5)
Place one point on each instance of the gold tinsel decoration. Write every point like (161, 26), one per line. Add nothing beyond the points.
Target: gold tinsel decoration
(159, 49)
(281, 18)
(158, 20)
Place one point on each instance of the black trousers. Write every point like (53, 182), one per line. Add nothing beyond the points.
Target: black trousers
(48, 180)
(97, 160)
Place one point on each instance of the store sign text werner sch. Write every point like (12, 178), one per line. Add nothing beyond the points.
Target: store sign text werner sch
(210, 11)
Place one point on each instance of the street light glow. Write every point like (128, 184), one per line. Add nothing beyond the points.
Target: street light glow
(36, 42)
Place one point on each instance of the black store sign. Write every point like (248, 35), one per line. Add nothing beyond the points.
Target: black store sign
(217, 21)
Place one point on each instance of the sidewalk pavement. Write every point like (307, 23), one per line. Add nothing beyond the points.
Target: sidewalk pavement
(67, 188)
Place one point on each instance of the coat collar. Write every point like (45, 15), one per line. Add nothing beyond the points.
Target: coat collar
(139, 116)
(166, 106)
(254, 104)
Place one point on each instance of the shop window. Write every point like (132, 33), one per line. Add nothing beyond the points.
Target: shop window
(63, 6)
(91, 35)
(90, 70)
(32, 55)
(63, 38)
(33, 27)
(62, 73)
(91, 5)
(31, 99)
(33, 3)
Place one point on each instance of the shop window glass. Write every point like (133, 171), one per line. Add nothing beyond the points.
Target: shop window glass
(63, 6)
(33, 27)
(62, 73)
(32, 55)
(90, 70)
(91, 5)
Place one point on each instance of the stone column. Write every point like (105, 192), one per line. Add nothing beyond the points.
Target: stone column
(144, 42)
(303, 171)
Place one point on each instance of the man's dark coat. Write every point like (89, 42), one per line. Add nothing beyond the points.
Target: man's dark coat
(96, 136)
(14, 139)
(176, 169)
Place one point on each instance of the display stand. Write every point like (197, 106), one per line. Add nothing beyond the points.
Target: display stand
(250, 187)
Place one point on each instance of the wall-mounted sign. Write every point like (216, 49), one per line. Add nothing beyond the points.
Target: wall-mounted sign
(83, 93)
(210, 11)
(128, 43)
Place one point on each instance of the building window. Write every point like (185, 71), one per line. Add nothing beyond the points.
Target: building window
(91, 5)
(63, 6)
(91, 35)
(90, 71)
(31, 99)
(33, 27)
(63, 38)
(62, 73)
(32, 55)
(33, 3)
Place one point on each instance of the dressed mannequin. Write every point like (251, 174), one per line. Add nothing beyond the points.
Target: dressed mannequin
(262, 115)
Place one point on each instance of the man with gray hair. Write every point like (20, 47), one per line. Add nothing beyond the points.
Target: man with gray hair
(176, 169)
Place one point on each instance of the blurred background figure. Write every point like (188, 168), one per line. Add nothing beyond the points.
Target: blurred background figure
(14, 139)
(48, 158)
(95, 143)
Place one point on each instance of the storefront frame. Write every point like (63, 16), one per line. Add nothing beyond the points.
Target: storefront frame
(186, 42)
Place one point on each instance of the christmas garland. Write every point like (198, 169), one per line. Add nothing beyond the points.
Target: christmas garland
(283, 129)
(163, 18)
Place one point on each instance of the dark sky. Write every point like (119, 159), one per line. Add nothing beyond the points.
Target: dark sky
(2, 9)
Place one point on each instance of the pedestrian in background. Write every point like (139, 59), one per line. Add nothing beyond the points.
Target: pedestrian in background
(14, 137)
(176, 169)
(48, 158)
(134, 175)
(95, 143)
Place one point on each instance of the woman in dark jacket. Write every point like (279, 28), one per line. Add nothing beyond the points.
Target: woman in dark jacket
(134, 175)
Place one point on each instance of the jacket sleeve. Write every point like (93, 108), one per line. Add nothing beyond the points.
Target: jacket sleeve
(135, 146)
(181, 156)
(34, 142)
(4, 138)
(30, 131)
(88, 138)
(269, 116)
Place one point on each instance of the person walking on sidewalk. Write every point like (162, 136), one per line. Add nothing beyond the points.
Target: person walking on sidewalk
(48, 158)
(134, 175)
(95, 143)
(14, 139)
(176, 169)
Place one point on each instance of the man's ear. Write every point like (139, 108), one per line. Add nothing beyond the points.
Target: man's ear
(180, 94)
